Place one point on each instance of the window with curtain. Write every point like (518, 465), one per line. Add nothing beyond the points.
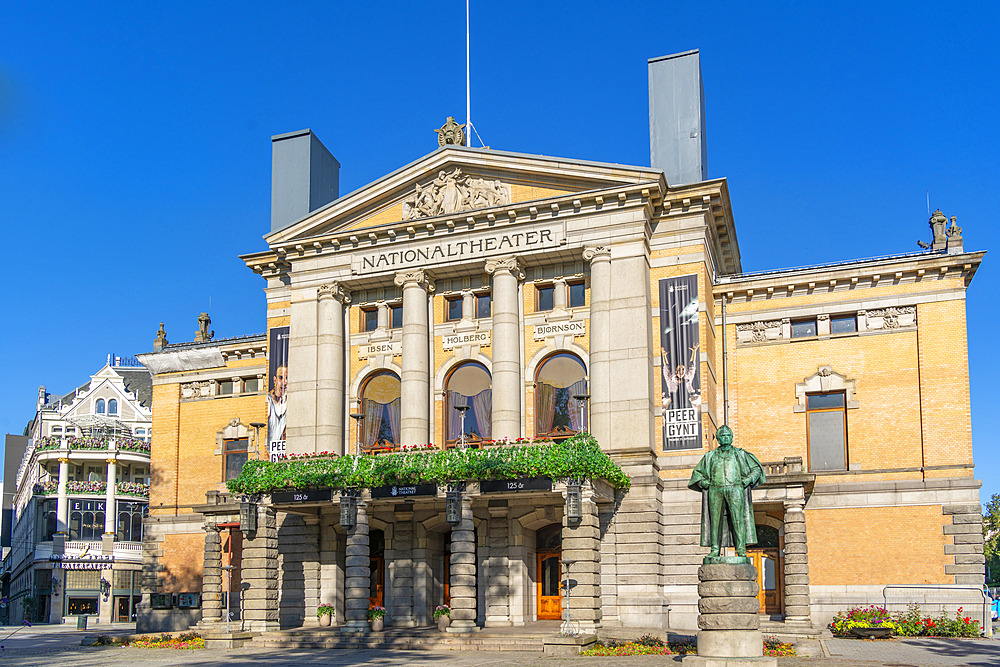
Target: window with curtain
(380, 407)
(469, 385)
(826, 431)
(558, 414)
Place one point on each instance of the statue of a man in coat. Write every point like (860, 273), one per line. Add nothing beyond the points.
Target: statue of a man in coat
(725, 477)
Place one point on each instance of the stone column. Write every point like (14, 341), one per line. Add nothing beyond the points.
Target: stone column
(330, 368)
(600, 342)
(581, 543)
(506, 348)
(358, 577)
(415, 384)
(211, 580)
(796, 564)
(62, 498)
(259, 568)
(463, 572)
(497, 570)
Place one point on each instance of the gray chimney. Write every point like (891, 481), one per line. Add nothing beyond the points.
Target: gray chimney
(677, 143)
(304, 177)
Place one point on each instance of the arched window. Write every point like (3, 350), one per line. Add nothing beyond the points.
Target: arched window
(557, 414)
(130, 521)
(767, 537)
(469, 386)
(86, 522)
(113, 407)
(99, 407)
(380, 407)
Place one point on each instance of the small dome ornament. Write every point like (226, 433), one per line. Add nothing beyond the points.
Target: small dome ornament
(451, 133)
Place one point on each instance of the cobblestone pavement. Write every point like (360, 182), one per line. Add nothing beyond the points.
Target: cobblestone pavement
(53, 650)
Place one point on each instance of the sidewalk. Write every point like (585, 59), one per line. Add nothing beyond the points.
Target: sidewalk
(913, 651)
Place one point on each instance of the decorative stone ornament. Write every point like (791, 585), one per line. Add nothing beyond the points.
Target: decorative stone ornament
(453, 191)
(451, 133)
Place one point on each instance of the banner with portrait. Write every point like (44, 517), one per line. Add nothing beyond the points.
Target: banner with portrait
(679, 365)
(277, 391)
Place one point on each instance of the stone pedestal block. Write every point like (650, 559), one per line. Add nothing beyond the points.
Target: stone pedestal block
(729, 627)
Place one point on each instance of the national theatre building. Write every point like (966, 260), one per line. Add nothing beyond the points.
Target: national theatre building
(481, 302)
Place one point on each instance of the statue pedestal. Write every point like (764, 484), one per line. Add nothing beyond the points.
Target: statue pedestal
(728, 624)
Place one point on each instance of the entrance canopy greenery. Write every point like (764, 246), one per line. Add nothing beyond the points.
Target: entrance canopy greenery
(579, 456)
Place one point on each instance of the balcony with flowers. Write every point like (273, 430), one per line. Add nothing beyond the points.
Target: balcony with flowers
(95, 488)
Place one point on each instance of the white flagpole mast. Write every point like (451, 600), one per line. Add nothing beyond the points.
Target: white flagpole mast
(468, 96)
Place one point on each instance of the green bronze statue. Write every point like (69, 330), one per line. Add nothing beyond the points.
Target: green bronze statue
(725, 477)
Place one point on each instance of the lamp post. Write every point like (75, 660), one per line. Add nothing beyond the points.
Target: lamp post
(358, 417)
(462, 409)
(567, 628)
(582, 399)
(229, 598)
(257, 426)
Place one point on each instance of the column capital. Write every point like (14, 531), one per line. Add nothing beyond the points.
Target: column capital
(795, 504)
(505, 265)
(418, 277)
(63, 459)
(601, 253)
(110, 461)
(334, 290)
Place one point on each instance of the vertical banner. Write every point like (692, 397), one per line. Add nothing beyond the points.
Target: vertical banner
(277, 389)
(679, 347)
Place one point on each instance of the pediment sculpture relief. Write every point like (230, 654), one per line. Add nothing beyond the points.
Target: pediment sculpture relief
(452, 192)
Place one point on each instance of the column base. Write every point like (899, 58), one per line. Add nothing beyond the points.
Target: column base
(709, 661)
(462, 627)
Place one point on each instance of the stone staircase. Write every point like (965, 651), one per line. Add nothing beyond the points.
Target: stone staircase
(500, 639)
(778, 629)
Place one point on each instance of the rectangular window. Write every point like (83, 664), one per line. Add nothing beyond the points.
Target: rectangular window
(484, 305)
(453, 309)
(83, 580)
(251, 385)
(544, 299)
(804, 328)
(826, 431)
(236, 456)
(577, 294)
(369, 319)
(396, 316)
(82, 607)
(842, 324)
(226, 388)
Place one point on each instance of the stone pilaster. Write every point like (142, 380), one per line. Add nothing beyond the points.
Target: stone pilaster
(110, 513)
(581, 544)
(62, 498)
(600, 342)
(357, 582)
(211, 579)
(506, 367)
(330, 368)
(298, 565)
(302, 399)
(796, 565)
(463, 572)
(497, 567)
(259, 569)
(415, 380)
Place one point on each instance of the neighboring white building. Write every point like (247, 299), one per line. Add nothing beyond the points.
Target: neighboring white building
(76, 546)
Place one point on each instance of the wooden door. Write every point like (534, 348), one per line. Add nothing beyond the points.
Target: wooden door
(377, 566)
(769, 579)
(549, 589)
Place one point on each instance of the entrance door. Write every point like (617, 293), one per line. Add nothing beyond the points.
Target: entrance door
(768, 579)
(377, 566)
(549, 578)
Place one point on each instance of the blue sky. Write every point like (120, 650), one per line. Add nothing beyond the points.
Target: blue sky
(135, 142)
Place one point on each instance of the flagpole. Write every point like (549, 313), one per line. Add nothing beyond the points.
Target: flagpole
(468, 96)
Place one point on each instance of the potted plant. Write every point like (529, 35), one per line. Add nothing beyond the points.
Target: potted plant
(376, 616)
(324, 613)
(443, 616)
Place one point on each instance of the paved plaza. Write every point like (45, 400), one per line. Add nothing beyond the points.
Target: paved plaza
(49, 646)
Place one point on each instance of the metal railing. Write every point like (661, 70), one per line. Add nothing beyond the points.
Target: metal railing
(987, 616)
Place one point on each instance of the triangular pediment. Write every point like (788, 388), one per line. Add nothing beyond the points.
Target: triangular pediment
(456, 182)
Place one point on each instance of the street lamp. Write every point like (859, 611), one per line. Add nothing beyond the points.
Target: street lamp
(257, 426)
(358, 417)
(229, 598)
(568, 628)
(582, 399)
(453, 503)
(462, 409)
(349, 508)
(574, 500)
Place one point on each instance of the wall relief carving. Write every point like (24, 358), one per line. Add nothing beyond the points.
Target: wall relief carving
(452, 192)
(890, 318)
(759, 332)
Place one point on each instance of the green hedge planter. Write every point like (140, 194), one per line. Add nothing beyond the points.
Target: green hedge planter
(579, 456)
